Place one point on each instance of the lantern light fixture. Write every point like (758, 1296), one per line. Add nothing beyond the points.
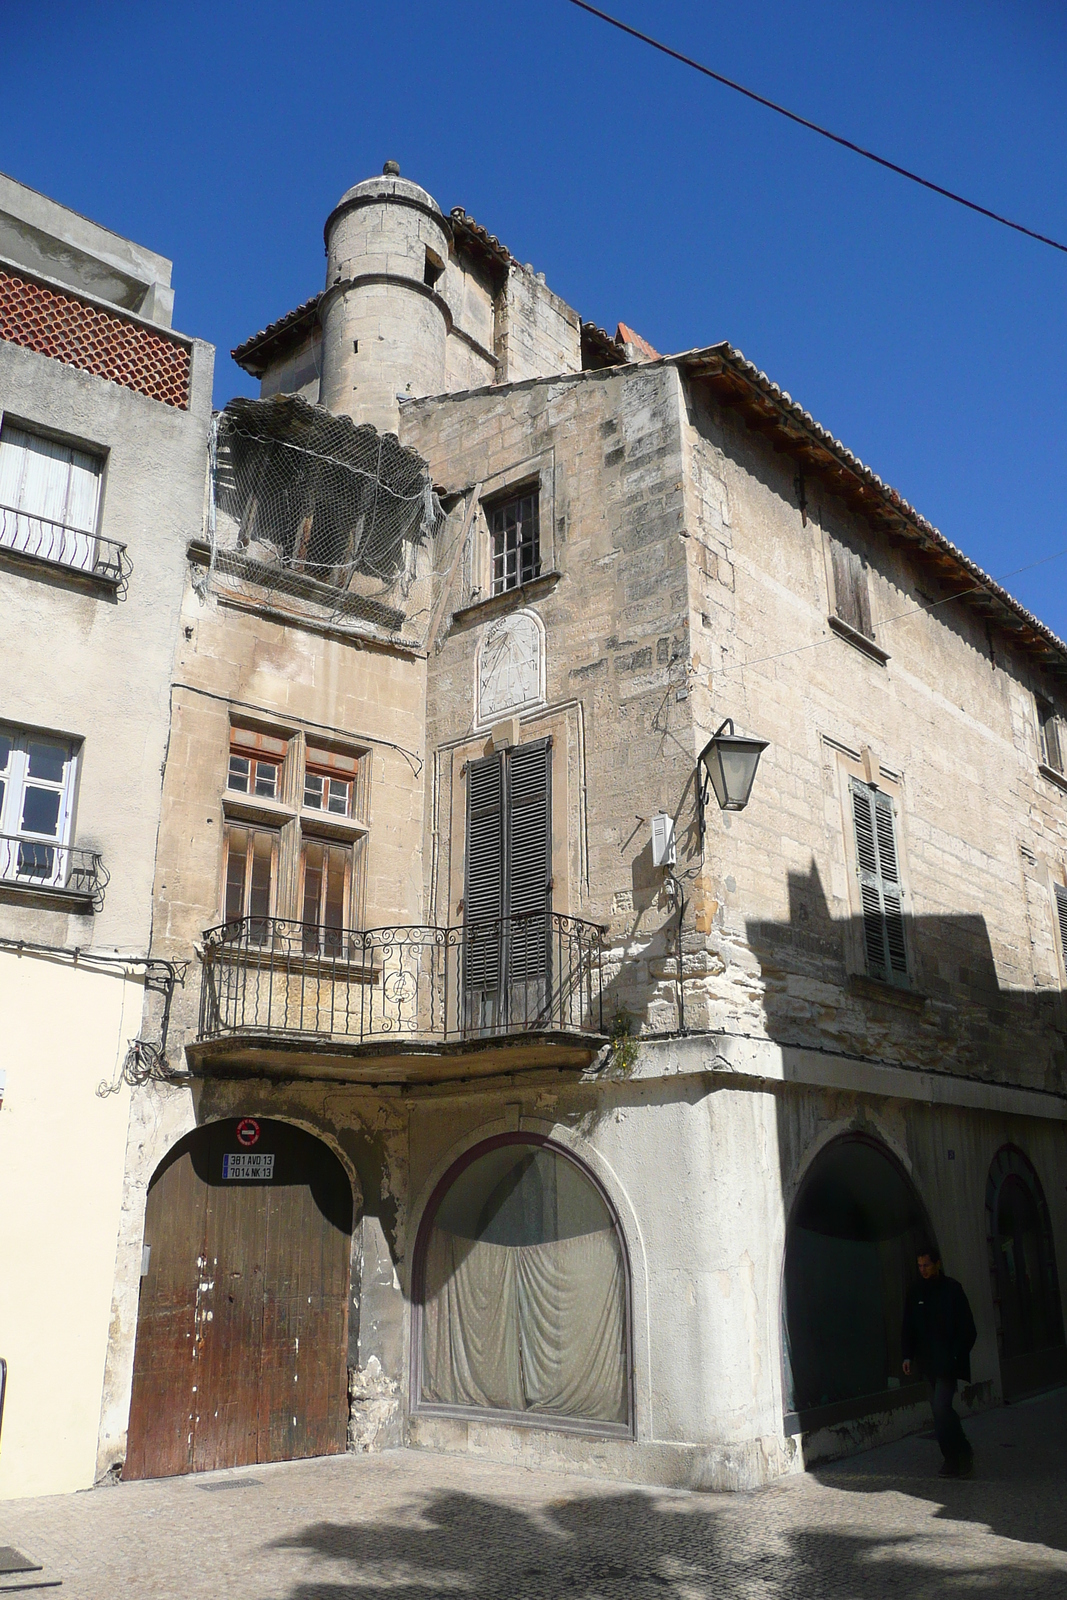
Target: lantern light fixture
(729, 761)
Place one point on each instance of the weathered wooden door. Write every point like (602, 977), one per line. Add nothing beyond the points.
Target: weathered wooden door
(242, 1326)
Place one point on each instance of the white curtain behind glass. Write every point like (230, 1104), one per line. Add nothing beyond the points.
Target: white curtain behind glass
(524, 1304)
(49, 494)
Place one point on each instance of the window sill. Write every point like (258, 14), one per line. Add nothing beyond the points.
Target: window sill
(1058, 778)
(858, 640)
(498, 605)
(237, 807)
(814, 1418)
(878, 989)
(326, 825)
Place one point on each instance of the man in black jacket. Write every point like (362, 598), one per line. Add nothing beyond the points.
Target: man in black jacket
(937, 1337)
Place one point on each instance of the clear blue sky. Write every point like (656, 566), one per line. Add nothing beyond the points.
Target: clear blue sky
(929, 340)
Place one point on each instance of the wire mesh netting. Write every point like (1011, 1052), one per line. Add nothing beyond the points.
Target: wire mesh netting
(320, 511)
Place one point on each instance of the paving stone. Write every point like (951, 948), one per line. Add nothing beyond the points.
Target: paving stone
(408, 1525)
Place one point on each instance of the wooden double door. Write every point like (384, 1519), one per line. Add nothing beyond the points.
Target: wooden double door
(242, 1326)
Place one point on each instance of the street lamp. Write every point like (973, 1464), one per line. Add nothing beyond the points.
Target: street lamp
(729, 761)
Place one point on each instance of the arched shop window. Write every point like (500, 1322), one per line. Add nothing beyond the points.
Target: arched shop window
(1026, 1290)
(522, 1291)
(851, 1247)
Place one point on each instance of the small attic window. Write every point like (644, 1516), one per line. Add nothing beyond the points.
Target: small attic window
(433, 268)
(1051, 740)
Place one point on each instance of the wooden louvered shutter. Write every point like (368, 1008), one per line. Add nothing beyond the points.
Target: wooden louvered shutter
(880, 887)
(484, 892)
(1061, 912)
(528, 857)
(850, 588)
(892, 893)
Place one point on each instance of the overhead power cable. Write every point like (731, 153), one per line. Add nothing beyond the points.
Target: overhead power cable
(932, 605)
(814, 127)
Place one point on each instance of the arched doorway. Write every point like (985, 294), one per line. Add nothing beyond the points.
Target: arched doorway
(242, 1324)
(522, 1292)
(1026, 1291)
(851, 1245)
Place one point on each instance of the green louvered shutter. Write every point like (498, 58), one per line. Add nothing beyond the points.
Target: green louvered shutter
(483, 900)
(528, 859)
(880, 888)
(1061, 912)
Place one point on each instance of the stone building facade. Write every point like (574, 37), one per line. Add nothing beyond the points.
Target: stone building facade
(521, 1100)
(104, 413)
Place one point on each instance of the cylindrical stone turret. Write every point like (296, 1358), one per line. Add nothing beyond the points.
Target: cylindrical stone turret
(384, 324)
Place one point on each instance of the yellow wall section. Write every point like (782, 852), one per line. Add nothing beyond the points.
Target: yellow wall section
(62, 1151)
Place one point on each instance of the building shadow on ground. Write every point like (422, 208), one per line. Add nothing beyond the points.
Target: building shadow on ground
(1019, 1487)
(630, 1545)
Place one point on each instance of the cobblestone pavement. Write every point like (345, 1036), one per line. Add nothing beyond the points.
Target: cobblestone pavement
(411, 1526)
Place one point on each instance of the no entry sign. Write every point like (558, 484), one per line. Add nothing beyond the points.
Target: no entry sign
(248, 1132)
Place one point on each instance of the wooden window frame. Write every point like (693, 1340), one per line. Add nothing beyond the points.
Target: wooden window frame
(88, 537)
(294, 826)
(251, 829)
(1050, 733)
(15, 781)
(323, 943)
(881, 890)
(508, 564)
(865, 768)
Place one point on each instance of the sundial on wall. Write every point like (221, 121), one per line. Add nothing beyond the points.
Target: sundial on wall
(510, 666)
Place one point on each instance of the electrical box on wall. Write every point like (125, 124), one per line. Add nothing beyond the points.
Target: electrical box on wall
(663, 851)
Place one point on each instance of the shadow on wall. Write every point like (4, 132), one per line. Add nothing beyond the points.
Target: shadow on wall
(949, 1013)
(631, 1545)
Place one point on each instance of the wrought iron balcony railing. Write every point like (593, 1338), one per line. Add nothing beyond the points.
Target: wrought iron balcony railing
(37, 864)
(44, 540)
(539, 973)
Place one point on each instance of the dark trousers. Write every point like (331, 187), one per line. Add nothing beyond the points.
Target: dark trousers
(947, 1425)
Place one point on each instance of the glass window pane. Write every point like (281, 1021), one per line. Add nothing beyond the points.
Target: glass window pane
(334, 909)
(239, 772)
(524, 1292)
(40, 812)
(259, 889)
(236, 866)
(7, 744)
(266, 779)
(340, 792)
(314, 784)
(313, 865)
(47, 760)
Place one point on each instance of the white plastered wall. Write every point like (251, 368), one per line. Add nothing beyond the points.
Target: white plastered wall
(62, 1152)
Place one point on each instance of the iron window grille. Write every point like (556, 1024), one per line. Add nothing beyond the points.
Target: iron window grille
(514, 527)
